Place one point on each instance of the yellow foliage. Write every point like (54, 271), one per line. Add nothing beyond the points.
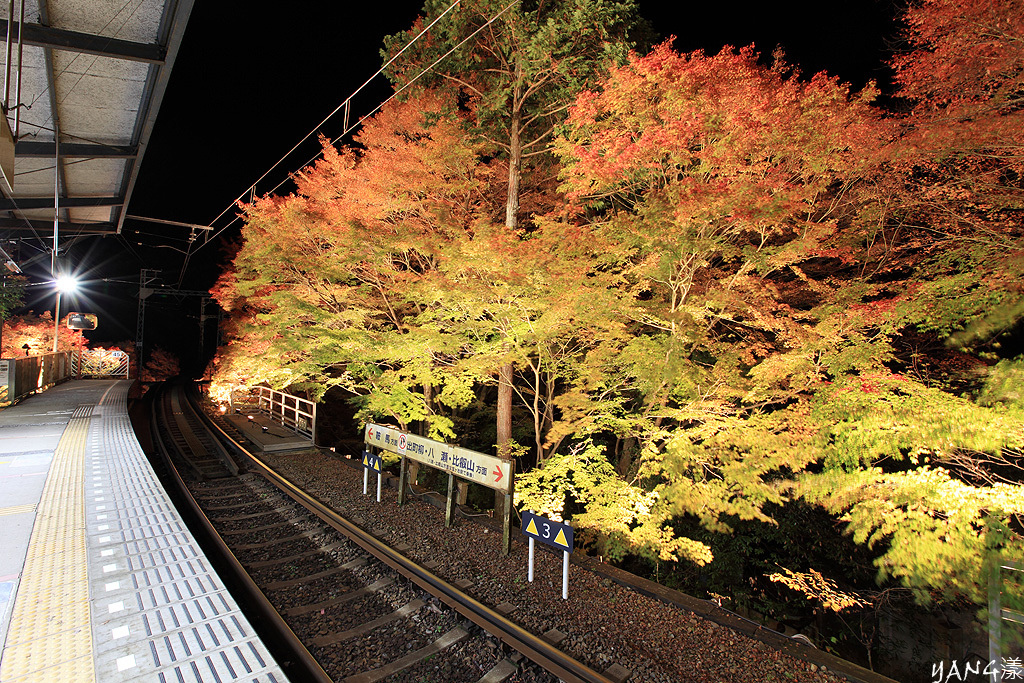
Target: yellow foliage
(816, 587)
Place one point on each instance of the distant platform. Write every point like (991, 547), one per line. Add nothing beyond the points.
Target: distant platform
(100, 579)
(268, 436)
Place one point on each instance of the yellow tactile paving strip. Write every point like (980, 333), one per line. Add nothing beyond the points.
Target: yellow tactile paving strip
(18, 509)
(50, 636)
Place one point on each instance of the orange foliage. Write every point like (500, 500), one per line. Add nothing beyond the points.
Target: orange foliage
(37, 332)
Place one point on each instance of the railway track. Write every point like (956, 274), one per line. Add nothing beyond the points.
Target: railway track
(336, 603)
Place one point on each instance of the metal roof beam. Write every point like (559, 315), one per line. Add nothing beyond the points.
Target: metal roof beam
(26, 203)
(69, 228)
(172, 29)
(87, 43)
(78, 150)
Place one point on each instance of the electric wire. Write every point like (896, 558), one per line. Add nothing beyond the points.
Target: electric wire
(72, 136)
(128, 244)
(345, 102)
(85, 71)
(43, 126)
(19, 211)
(50, 168)
(210, 237)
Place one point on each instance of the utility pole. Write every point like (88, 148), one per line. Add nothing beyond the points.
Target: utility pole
(147, 276)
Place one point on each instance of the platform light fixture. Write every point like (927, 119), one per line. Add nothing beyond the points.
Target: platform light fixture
(65, 284)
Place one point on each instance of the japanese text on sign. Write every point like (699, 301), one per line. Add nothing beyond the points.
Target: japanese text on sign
(462, 462)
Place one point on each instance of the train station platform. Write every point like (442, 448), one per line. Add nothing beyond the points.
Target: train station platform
(265, 433)
(100, 580)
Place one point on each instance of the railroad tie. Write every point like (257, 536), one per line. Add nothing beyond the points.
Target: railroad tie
(450, 638)
(341, 599)
(400, 613)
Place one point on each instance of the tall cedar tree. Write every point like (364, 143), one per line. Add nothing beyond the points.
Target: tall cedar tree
(518, 74)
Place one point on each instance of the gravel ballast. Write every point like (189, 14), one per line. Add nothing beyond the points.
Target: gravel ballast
(604, 623)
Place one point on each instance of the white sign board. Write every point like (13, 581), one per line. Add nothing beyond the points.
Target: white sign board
(483, 469)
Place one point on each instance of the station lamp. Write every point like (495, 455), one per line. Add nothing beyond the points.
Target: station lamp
(65, 284)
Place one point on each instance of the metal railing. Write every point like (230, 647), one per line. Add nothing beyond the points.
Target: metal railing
(998, 613)
(20, 377)
(94, 363)
(297, 414)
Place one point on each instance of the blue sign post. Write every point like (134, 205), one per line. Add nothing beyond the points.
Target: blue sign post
(372, 461)
(556, 534)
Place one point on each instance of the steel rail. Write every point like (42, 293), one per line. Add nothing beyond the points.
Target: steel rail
(304, 665)
(531, 646)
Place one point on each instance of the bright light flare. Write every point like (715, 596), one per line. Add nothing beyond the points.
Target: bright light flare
(66, 284)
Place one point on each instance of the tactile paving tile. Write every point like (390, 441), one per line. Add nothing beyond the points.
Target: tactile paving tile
(49, 638)
(160, 612)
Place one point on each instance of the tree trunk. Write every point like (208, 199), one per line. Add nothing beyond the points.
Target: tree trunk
(505, 372)
(504, 422)
(515, 149)
(515, 167)
(625, 459)
(428, 395)
(504, 410)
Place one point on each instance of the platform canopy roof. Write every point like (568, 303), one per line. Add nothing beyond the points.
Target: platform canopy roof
(93, 73)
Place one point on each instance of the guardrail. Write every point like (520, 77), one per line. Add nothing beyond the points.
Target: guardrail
(1004, 667)
(20, 377)
(297, 414)
(99, 363)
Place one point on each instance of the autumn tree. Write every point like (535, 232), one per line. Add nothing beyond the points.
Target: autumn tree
(756, 290)
(950, 188)
(12, 295)
(36, 331)
(518, 66)
(335, 277)
(702, 178)
(922, 444)
(383, 275)
(160, 366)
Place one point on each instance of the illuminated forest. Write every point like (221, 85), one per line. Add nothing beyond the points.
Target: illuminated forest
(741, 324)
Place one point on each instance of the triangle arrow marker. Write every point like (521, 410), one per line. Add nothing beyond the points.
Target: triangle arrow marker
(561, 540)
(531, 528)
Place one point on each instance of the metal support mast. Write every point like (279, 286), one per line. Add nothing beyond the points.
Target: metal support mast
(146, 277)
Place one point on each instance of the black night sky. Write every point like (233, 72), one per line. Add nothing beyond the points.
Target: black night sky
(248, 84)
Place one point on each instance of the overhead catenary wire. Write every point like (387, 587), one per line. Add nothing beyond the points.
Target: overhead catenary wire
(406, 86)
(58, 163)
(344, 103)
(96, 58)
(252, 188)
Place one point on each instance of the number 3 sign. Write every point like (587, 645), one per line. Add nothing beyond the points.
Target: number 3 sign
(553, 533)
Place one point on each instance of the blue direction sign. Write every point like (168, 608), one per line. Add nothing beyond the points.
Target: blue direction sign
(557, 534)
(373, 462)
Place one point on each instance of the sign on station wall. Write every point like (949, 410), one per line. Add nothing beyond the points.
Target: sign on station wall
(477, 467)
